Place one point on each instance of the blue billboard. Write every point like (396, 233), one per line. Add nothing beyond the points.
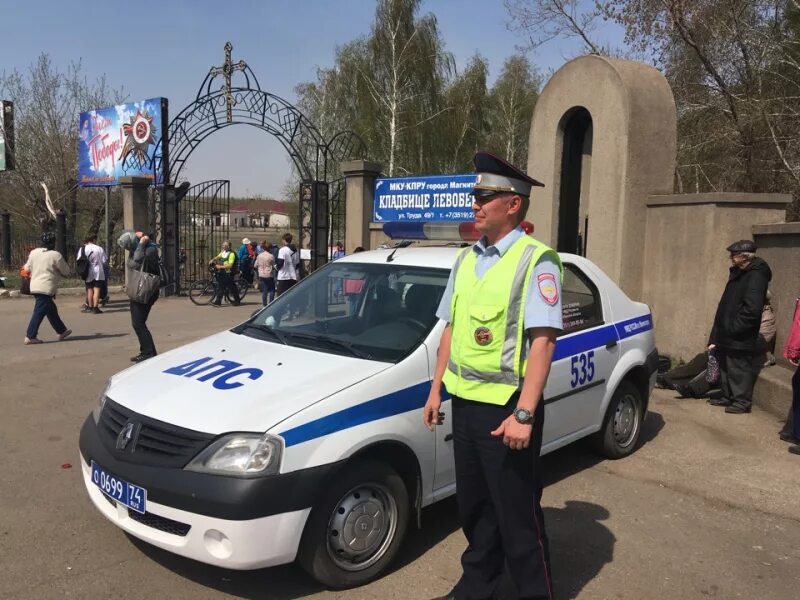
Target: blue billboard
(120, 141)
(430, 198)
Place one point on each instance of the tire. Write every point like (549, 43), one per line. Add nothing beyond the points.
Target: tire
(201, 292)
(622, 424)
(242, 286)
(370, 495)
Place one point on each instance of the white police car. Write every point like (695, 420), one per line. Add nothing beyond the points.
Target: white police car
(298, 434)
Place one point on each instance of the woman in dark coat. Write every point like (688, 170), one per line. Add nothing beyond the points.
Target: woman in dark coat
(145, 254)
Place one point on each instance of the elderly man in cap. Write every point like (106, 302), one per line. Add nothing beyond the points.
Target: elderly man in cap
(502, 305)
(734, 334)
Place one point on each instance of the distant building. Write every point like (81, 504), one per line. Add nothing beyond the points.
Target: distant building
(259, 214)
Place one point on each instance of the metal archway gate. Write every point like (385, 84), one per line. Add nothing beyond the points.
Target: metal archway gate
(315, 158)
(203, 225)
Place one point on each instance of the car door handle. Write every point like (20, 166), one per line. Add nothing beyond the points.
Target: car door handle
(611, 344)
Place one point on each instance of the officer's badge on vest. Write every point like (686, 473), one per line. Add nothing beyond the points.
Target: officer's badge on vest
(548, 288)
(483, 335)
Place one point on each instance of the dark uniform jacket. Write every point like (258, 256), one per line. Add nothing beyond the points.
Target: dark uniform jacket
(738, 315)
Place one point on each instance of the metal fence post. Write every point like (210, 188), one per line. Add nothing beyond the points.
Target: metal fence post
(61, 232)
(6, 233)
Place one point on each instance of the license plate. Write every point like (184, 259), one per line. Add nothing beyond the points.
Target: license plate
(132, 496)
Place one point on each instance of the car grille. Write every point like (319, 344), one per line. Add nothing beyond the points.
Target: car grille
(157, 443)
(160, 523)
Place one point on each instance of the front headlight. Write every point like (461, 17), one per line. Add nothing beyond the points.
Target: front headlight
(240, 454)
(101, 402)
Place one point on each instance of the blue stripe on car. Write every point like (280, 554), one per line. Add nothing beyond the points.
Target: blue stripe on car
(414, 397)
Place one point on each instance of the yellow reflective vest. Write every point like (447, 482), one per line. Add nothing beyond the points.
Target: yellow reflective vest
(487, 318)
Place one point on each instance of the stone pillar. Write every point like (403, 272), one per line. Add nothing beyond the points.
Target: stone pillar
(623, 113)
(360, 176)
(135, 192)
(168, 241)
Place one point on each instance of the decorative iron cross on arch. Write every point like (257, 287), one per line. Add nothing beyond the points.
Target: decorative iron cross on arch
(226, 70)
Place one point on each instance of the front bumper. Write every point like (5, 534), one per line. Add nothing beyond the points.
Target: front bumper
(232, 522)
(249, 544)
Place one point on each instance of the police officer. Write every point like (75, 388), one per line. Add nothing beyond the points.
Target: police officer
(503, 311)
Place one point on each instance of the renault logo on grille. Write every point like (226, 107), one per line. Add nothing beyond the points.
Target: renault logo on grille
(127, 434)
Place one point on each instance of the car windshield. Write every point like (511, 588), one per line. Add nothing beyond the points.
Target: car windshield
(367, 310)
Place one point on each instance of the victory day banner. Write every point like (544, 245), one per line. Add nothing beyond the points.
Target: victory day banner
(120, 141)
(425, 199)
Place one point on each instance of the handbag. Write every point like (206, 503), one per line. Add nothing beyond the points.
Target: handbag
(24, 282)
(141, 285)
(712, 370)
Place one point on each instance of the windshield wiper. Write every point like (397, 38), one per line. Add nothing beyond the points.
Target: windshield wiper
(348, 346)
(277, 334)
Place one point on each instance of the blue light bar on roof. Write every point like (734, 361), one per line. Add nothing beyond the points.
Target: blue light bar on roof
(417, 230)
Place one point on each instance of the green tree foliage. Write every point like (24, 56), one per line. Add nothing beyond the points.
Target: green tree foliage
(512, 100)
(400, 90)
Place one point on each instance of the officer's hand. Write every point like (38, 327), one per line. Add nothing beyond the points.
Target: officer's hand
(515, 435)
(711, 346)
(431, 415)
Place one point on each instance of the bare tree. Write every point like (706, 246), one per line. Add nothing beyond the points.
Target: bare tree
(541, 21)
(47, 104)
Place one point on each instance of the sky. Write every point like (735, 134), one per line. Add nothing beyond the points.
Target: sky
(165, 48)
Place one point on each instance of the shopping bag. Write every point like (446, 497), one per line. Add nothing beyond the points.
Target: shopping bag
(142, 286)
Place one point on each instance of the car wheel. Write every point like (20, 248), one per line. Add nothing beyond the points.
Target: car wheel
(356, 528)
(622, 424)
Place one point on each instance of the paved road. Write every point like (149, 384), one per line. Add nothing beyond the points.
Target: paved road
(708, 507)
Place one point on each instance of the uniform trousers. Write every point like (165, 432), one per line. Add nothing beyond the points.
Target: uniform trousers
(499, 493)
(738, 376)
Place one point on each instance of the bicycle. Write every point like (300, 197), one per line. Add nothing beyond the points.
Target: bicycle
(203, 291)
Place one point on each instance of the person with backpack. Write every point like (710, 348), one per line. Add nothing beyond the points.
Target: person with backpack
(247, 259)
(287, 263)
(89, 266)
(47, 267)
(144, 257)
(226, 263)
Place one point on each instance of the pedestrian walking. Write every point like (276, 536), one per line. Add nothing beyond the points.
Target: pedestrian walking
(734, 334)
(791, 352)
(502, 305)
(224, 262)
(145, 257)
(287, 263)
(47, 267)
(265, 264)
(95, 275)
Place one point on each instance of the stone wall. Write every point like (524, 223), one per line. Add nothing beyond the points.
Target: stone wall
(779, 245)
(686, 265)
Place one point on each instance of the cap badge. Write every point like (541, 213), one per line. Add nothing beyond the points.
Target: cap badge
(478, 179)
(483, 335)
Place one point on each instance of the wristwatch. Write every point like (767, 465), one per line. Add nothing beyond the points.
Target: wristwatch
(523, 416)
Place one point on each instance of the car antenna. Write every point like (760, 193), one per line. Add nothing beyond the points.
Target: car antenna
(403, 244)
